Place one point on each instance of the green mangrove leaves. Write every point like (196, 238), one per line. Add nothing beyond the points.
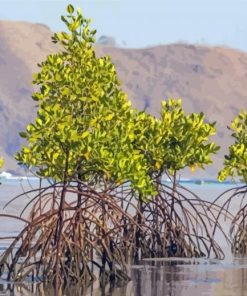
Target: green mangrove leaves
(85, 127)
(175, 140)
(235, 163)
(84, 120)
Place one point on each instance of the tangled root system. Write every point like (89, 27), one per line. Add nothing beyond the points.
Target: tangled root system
(238, 229)
(74, 233)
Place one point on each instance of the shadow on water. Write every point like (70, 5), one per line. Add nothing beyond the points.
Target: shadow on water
(176, 277)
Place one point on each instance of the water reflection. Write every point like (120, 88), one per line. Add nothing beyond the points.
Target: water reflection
(186, 279)
(160, 278)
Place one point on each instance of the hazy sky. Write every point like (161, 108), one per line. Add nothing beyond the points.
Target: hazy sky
(137, 23)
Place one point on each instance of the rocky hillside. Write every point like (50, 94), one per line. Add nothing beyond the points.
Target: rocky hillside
(208, 79)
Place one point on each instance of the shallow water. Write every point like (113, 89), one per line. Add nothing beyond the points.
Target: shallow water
(176, 277)
(182, 278)
(164, 279)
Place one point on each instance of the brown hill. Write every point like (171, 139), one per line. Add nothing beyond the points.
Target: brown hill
(208, 79)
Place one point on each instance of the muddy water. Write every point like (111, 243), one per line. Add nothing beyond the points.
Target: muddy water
(176, 277)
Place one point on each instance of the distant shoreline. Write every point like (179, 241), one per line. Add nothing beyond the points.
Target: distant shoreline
(197, 181)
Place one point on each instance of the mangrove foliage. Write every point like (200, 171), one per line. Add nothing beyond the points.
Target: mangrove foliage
(235, 166)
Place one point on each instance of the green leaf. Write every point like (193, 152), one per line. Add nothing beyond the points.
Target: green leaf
(85, 134)
(70, 9)
(58, 77)
(23, 134)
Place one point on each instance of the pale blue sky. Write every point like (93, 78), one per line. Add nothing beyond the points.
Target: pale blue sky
(137, 23)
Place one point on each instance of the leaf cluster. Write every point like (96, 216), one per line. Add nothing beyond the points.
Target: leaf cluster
(235, 163)
(175, 140)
